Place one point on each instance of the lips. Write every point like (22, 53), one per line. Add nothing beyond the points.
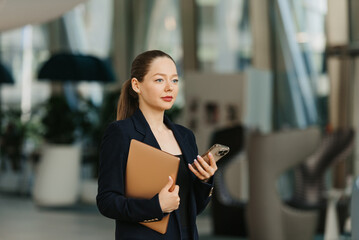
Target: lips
(167, 99)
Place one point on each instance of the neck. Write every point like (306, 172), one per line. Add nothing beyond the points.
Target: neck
(154, 119)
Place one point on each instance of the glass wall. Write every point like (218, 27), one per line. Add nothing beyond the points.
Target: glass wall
(224, 38)
(164, 28)
(15, 43)
(299, 63)
(301, 85)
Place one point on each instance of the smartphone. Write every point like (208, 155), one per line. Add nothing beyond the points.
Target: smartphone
(218, 151)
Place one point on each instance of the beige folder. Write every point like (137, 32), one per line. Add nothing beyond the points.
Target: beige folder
(147, 173)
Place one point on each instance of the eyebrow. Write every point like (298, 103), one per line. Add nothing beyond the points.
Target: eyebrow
(164, 75)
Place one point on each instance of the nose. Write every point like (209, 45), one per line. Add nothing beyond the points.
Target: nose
(169, 86)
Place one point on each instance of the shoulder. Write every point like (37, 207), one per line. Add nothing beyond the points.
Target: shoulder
(121, 124)
(120, 127)
(117, 135)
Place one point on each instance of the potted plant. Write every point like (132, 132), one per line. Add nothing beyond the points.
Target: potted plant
(68, 68)
(58, 172)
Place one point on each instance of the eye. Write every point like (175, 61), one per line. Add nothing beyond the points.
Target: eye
(175, 80)
(159, 80)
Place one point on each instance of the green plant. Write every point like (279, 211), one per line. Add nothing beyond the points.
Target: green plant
(14, 134)
(64, 125)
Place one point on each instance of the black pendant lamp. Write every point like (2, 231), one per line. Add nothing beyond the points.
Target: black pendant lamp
(76, 67)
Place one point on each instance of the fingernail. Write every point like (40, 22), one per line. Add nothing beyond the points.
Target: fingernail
(198, 156)
(210, 153)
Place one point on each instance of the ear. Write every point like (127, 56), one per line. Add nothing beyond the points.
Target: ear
(135, 85)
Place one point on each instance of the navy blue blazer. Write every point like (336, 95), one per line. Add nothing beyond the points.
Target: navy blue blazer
(128, 212)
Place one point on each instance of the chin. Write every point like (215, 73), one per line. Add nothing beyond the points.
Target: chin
(167, 107)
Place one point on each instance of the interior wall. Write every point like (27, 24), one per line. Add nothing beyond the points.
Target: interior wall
(337, 23)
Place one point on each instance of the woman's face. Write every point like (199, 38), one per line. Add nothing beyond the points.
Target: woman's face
(159, 88)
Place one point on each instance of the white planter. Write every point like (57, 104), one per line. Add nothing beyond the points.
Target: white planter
(58, 176)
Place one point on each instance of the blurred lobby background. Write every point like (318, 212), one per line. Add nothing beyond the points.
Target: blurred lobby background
(276, 80)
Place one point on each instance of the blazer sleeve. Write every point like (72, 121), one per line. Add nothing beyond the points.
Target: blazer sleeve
(202, 190)
(111, 200)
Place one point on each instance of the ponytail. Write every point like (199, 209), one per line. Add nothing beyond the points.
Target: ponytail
(127, 102)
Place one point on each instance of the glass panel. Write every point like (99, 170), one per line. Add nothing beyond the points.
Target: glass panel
(224, 37)
(164, 28)
(299, 62)
(89, 27)
(14, 43)
(22, 51)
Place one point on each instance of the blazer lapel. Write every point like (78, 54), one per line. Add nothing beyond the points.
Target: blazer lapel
(142, 126)
(182, 140)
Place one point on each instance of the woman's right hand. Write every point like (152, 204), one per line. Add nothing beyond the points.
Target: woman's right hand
(169, 200)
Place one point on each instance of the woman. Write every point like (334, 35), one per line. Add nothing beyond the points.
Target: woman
(150, 91)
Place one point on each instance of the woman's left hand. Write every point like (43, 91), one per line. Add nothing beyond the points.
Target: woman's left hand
(204, 170)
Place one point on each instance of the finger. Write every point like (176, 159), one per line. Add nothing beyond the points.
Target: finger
(212, 162)
(193, 168)
(169, 183)
(203, 163)
(176, 189)
(201, 171)
(195, 172)
(212, 167)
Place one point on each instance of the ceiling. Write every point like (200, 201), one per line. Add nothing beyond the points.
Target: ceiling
(17, 13)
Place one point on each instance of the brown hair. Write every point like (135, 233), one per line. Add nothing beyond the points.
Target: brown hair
(128, 100)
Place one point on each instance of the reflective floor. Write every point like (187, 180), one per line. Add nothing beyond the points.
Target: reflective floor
(20, 219)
